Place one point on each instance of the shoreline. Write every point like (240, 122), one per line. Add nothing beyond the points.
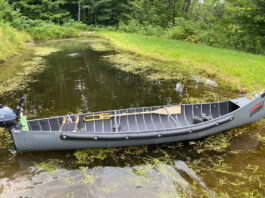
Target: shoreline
(230, 69)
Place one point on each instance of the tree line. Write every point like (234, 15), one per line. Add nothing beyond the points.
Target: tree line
(235, 24)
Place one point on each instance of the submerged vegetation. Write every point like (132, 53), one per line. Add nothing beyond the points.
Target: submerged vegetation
(28, 69)
(49, 165)
(187, 169)
(5, 139)
(152, 70)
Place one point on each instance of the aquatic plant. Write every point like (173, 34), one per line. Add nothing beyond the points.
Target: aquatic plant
(226, 181)
(88, 176)
(44, 51)
(152, 70)
(5, 139)
(207, 97)
(261, 138)
(219, 142)
(88, 156)
(22, 78)
(100, 45)
(49, 165)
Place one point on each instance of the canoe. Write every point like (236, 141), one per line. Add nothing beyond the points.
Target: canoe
(137, 126)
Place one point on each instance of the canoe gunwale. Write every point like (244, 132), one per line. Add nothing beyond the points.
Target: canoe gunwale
(108, 111)
(146, 135)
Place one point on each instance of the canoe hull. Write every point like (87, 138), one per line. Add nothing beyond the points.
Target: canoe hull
(55, 140)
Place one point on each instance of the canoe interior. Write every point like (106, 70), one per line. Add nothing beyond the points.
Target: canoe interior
(140, 122)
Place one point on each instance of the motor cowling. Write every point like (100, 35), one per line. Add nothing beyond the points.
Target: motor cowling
(8, 117)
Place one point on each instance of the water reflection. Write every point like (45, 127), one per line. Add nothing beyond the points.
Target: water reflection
(89, 83)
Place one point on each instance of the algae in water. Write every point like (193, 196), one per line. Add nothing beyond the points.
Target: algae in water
(152, 70)
(49, 165)
(34, 66)
(44, 51)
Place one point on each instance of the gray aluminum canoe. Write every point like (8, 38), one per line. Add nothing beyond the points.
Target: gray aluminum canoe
(137, 129)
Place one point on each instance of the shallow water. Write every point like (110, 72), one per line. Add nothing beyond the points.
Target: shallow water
(78, 78)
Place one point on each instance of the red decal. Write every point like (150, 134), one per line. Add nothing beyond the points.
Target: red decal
(254, 108)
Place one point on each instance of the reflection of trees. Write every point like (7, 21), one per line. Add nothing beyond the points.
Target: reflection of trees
(87, 83)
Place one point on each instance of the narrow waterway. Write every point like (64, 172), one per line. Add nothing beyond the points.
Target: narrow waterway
(77, 78)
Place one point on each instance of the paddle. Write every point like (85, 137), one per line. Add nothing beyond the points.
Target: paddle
(162, 111)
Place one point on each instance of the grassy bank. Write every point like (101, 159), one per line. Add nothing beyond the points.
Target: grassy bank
(11, 41)
(238, 70)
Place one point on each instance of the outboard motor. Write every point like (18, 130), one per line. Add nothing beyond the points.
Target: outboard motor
(8, 116)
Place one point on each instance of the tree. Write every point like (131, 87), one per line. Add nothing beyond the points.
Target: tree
(7, 13)
(248, 18)
(42, 9)
(100, 11)
(186, 6)
(79, 11)
(149, 12)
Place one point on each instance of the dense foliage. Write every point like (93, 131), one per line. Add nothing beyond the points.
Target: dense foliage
(7, 13)
(42, 9)
(234, 24)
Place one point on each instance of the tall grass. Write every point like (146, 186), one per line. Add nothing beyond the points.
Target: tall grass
(238, 70)
(45, 30)
(11, 41)
(42, 30)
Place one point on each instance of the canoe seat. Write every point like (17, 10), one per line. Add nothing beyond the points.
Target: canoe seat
(202, 118)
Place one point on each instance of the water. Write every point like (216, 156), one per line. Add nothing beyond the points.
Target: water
(79, 79)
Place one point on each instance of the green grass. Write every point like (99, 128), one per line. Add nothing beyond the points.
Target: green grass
(11, 41)
(238, 70)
